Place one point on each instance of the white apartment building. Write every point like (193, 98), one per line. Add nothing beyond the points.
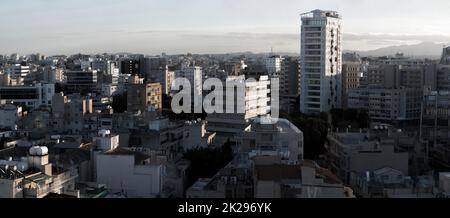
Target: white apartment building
(18, 70)
(194, 75)
(321, 61)
(257, 100)
(282, 139)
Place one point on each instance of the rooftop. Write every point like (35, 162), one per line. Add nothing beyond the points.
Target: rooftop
(281, 125)
(320, 14)
(278, 172)
(200, 184)
(138, 157)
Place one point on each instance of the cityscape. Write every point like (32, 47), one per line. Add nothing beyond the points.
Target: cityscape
(319, 121)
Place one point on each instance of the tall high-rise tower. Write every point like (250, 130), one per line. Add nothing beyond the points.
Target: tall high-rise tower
(321, 61)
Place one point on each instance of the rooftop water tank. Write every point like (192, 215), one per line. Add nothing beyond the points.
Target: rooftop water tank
(41, 151)
(55, 137)
(104, 132)
(38, 151)
(33, 150)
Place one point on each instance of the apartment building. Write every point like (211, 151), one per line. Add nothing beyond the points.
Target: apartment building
(321, 61)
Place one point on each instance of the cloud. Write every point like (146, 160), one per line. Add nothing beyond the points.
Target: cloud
(198, 41)
(245, 36)
(396, 37)
(153, 31)
(371, 41)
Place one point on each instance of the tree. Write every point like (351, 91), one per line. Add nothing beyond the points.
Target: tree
(60, 88)
(315, 133)
(206, 162)
(363, 119)
(342, 118)
(350, 114)
(119, 103)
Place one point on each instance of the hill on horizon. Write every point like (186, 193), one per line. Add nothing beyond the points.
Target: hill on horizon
(421, 50)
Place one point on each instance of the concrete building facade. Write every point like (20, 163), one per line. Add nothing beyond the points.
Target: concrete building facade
(321, 61)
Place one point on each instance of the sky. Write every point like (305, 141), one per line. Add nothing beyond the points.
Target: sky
(209, 26)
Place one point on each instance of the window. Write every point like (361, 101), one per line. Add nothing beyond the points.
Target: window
(313, 105)
(312, 40)
(313, 53)
(313, 47)
(313, 100)
(313, 58)
(313, 28)
(314, 82)
(313, 34)
(313, 76)
(314, 88)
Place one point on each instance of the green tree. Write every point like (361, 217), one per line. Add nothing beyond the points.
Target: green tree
(119, 103)
(206, 162)
(363, 119)
(315, 133)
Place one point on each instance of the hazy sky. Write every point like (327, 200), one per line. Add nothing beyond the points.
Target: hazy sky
(209, 26)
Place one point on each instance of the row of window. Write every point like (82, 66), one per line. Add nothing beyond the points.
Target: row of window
(310, 35)
(310, 58)
(314, 22)
(313, 29)
(313, 47)
(313, 52)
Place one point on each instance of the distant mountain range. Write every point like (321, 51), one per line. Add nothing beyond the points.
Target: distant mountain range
(421, 50)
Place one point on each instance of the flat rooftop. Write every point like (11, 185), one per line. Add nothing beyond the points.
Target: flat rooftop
(200, 184)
